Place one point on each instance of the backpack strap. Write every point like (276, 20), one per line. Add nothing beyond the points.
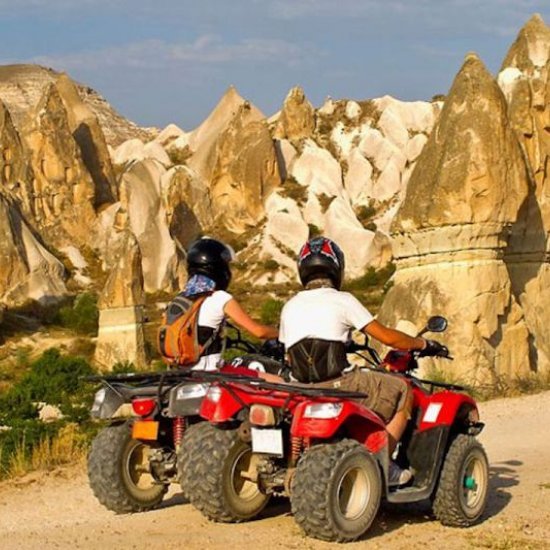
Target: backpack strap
(213, 337)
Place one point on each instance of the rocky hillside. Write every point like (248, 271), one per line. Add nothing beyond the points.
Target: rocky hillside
(21, 87)
(459, 187)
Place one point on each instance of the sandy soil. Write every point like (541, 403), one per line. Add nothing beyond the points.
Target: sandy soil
(58, 510)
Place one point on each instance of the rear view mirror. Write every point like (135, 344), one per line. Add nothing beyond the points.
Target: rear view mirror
(436, 324)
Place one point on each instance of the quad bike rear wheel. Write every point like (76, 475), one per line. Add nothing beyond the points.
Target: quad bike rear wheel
(217, 472)
(336, 491)
(186, 454)
(462, 491)
(119, 472)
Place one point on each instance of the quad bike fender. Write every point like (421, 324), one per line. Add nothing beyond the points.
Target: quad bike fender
(219, 406)
(360, 423)
(446, 408)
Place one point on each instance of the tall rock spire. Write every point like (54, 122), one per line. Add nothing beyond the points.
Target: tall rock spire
(63, 189)
(120, 337)
(451, 232)
(525, 80)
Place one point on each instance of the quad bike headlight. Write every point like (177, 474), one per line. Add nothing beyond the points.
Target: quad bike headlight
(192, 391)
(323, 410)
(214, 394)
(99, 398)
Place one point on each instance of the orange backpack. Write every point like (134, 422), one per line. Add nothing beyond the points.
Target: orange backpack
(178, 340)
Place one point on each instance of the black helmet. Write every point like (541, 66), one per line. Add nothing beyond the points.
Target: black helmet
(319, 258)
(211, 258)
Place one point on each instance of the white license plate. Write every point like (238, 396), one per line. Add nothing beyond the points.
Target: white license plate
(268, 441)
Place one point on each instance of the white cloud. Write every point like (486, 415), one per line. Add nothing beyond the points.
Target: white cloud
(206, 50)
(494, 17)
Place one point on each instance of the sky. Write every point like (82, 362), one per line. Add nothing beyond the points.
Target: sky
(170, 61)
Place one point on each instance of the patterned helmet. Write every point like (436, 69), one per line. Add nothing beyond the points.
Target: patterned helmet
(321, 258)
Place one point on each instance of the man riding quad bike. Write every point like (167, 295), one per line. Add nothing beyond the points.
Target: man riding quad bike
(337, 439)
(330, 455)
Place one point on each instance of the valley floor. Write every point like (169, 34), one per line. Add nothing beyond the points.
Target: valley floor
(58, 510)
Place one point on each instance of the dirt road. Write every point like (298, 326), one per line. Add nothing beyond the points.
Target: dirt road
(58, 510)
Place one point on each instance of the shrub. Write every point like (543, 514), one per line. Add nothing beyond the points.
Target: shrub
(271, 265)
(271, 311)
(365, 213)
(371, 226)
(28, 443)
(372, 278)
(82, 316)
(293, 190)
(314, 231)
(52, 379)
(179, 156)
(325, 201)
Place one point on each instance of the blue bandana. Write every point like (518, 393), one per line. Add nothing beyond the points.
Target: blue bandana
(199, 284)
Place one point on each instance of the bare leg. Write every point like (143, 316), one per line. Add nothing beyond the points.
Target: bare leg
(395, 429)
(396, 426)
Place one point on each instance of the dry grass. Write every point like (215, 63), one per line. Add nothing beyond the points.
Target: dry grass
(505, 541)
(66, 447)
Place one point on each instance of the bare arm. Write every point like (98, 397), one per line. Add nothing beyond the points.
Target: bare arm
(239, 316)
(393, 338)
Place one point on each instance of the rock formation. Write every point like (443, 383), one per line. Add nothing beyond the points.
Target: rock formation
(188, 205)
(88, 135)
(22, 86)
(120, 337)
(142, 207)
(297, 119)
(16, 174)
(524, 78)
(452, 231)
(245, 172)
(27, 269)
(63, 190)
(203, 141)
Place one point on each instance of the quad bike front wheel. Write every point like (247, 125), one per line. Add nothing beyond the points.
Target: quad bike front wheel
(462, 491)
(336, 491)
(119, 472)
(217, 472)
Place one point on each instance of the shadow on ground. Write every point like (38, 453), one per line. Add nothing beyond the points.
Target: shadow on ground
(391, 517)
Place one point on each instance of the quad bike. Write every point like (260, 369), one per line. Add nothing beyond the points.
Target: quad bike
(329, 454)
(134, 459)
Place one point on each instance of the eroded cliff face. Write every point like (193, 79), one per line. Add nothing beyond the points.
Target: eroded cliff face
(63, 190)
(16, 174)
(245, 173)
(27, 270)
(524, 78)
(22, 86)
(454, 233)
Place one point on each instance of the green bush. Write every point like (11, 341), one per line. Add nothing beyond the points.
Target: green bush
(52, 379)
(314, 231)
(271, 311)
(372, 279)
(271, 265)
(179, 156)
(123, 367)
(365, 213)
(82, 316)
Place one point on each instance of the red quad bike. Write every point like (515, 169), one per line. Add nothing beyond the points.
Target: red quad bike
(329, 454)
(135, 457)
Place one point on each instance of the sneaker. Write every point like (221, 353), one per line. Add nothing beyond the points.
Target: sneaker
(397, 476)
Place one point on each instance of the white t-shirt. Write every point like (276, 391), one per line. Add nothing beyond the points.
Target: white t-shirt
(324, 313)
(211, 315)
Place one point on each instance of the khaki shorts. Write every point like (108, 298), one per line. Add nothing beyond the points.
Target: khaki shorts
(386, 394)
